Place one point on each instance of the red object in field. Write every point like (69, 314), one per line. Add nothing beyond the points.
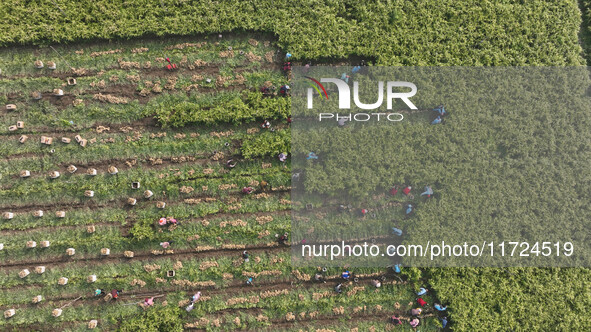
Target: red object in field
(170, 65)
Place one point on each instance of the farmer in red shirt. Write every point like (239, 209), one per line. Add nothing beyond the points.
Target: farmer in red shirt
(421, 302)
(406, 190)
(394, 191)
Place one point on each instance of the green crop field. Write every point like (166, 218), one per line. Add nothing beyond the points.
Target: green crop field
(174, 131)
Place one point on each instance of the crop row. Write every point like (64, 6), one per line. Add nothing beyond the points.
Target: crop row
(183, 51)
(251, 231)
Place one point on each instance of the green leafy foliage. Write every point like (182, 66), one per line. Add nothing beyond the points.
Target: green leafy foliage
(233, 107)
(393, 32)
(155, 320)
(267, 144)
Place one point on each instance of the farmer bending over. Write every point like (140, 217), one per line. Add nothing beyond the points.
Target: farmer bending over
(408, 209)
(284, 90)
(428, 191)
(311, 155)
(319, 277)
(376, 283)
(416, 312)
(438, 307)
(395, 320)
(406, 190)
(421, 302)
(346, 275)
(440, 110)
(282, 239)
(148, 302)
(196, 297)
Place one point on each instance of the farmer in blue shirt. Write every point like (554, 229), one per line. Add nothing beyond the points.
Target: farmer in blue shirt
(428, 191)
(408, 209)
(346, 275)
(438, 307)
(440, 110)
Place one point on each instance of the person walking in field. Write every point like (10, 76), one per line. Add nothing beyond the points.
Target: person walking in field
(245, 256)
(376, 283)
(165, 244)
(250, 281)
(339, 288)
(443, 322)
(99, 292)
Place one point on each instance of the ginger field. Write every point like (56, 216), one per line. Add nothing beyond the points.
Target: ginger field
(99, 141)
(123, 123)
